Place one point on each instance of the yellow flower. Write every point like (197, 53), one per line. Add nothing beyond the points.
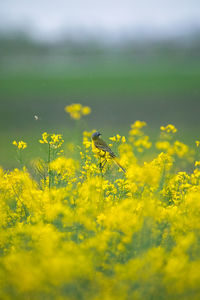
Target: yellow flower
(54, 140)
(180, 149)
(169, 128)
(118, 137)
(20, 145)
(123, 139)
(138, 124)
(64, 166)
(87, 138)
(76, 110)
(197, 163)
(113, 139)
(44, 140)
(86, 110)
(75, 115)
(197, 143)
(15, 143)
(101, 218)
(136, 131)
(162, 145)
(75, 227)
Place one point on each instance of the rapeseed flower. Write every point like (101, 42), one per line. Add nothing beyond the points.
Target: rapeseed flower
(169, 128)
(54, 140)
(77, 110)
(79, 233)
(197, 143)
(20, 145)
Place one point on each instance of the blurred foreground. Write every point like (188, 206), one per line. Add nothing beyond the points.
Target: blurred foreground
(71, 230)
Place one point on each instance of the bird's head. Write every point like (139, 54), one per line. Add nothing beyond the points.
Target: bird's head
(96, 135)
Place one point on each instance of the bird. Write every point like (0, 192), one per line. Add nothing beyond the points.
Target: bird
(102, 146)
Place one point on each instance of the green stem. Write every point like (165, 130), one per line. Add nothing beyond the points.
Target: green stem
(49, 160)
(20, 159)
(100, 167)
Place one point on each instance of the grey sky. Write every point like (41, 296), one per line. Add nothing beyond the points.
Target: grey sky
(48, 18)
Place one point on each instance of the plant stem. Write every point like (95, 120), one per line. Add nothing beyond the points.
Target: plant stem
(49, 160)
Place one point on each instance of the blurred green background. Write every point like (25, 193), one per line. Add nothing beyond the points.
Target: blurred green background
(152, 80)
(155, 83)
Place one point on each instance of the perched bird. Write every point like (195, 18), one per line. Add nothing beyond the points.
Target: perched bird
(102, 146)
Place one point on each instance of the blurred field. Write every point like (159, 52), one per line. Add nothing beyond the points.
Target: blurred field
(159, 85)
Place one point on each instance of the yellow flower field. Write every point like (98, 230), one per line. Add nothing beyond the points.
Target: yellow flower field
(70, 230)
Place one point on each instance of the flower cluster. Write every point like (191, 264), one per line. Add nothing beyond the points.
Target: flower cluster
(77, 110)
(169, 128)
(118, 138)
(173, 147)
(20, 145)
(82, 233)
(197, 143)
(54, 140)
(138, 138)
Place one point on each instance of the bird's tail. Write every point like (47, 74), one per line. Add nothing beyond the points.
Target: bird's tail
(118, 164)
